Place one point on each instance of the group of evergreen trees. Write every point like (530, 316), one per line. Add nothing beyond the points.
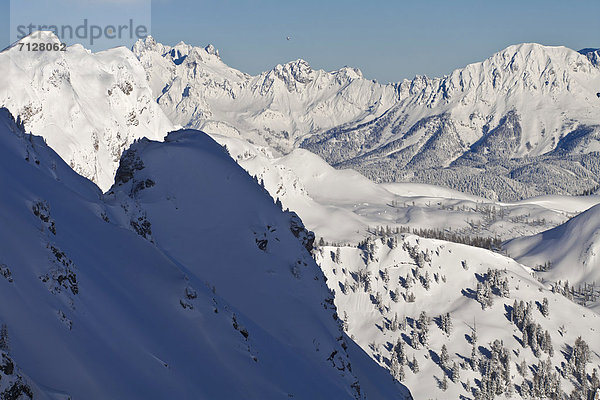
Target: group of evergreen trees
(495, 373)
(533, 335)
(398, 359)
(484, 242)
(445, 323)
(492, 284)
(588, 292)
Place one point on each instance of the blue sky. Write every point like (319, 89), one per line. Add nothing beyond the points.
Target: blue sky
(387, 40)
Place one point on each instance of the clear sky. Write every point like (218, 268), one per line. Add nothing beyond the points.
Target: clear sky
(388, 40)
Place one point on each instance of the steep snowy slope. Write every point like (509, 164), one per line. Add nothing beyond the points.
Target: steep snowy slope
(88, 106)
(414, 304)
(523, 102)
(197, 90)
(207, 293)
(573, 249)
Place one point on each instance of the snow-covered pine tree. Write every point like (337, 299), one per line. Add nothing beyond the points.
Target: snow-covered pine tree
(395, 295)
(545, 307)
(345, 322)
(399, 350)
(386, 275)
(580, 356)
(338, 256)
(423, 327)
(455, 372)
(444, 357)
(396, 368)
(394, 323)
(426, 281)
(595, 382)
(446, 323)
(414, 339)
(523, 368)
(414, 364)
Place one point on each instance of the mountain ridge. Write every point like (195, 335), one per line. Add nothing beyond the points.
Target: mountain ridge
(421, 128)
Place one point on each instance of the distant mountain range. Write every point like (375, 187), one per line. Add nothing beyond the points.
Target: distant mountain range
(524, 122)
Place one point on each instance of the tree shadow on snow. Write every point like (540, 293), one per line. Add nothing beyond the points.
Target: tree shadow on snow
(485, 352)
(509, 311)
(469, 293)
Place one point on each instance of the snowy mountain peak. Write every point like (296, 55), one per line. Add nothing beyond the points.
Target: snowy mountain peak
(210, 49)
(293, 72)
(539, 58)
(88, 106)
(177, 53)
(349, 73)
(198, 90)
(593, 55)
(37, 36)
(45, 36)
(147, 44)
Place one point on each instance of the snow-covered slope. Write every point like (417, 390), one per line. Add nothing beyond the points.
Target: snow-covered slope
(88, 106)
(573, 249)
(170, 286)
(278, 107)
(383, 287)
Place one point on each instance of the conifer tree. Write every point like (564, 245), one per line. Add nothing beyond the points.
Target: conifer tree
(455, 372)
(396, 368)
(545, 307)
(414, 339)
(415, 364)
(399, 350)
(444, 357)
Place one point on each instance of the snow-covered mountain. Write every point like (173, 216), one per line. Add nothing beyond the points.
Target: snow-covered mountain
(529, 114)
(456, 322)
(278, 107)
(89, 107)
(519, 124)
(168, 286)
(572, 249)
